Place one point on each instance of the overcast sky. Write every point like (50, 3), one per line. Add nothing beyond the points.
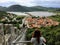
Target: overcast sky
(45, 3)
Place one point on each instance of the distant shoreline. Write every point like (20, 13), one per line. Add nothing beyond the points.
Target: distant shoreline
(35, 13)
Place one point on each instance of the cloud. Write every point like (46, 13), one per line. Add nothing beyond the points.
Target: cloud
(3, 1)
(21, 2)
(7, 4)
(25, 2)
(47, 3)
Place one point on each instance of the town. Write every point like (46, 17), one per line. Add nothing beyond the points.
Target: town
(38, 22)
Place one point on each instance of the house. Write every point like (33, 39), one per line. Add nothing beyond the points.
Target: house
(41, 22)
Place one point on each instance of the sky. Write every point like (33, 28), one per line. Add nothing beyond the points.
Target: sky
(29, 3)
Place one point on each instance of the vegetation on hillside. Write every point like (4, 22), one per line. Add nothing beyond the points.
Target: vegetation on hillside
(52, 34)
(7, 18)
(20, 8)
(2, 13)
(10, 18)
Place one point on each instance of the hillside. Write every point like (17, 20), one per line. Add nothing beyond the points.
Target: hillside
(16, 8)
(2, 8)
(10, 18)
(51, 33)
(20, 8)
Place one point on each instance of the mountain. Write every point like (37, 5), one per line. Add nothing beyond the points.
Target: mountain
(19, 8)
(22, 8)
(2, 8)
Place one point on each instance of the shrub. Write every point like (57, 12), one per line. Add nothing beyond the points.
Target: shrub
(57, 43)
